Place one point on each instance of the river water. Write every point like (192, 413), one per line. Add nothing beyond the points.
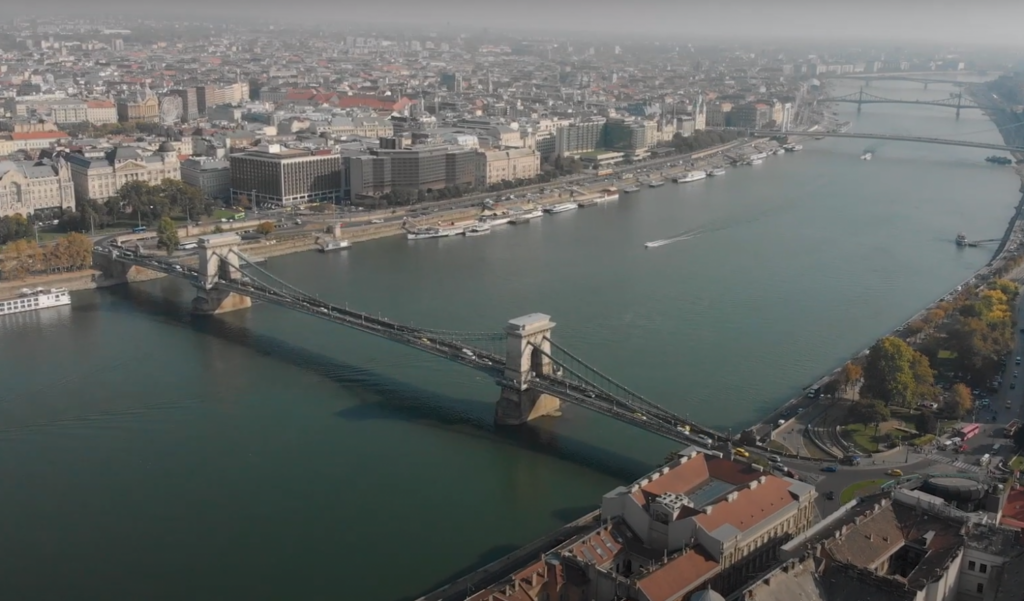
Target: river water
(267, 455)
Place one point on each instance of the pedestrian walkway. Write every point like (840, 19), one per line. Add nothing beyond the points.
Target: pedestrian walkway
(953, 461)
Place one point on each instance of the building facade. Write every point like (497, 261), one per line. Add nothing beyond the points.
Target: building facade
(71, 110)
(99, 179)
(430, 168)
(141, 110)
(100, 112)
(189, 103)
(582, 136)
(211, 176)
(28, 186)
(280, 176)
(506, 165)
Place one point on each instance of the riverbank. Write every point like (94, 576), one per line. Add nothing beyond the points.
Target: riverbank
(789, 413)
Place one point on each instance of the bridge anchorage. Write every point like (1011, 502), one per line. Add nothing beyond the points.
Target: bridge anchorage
(535, 374)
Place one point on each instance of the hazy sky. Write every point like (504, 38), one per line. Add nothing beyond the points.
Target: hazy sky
(998, 22)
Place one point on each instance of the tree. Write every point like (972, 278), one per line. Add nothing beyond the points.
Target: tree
(850, 376)
(889, 372)
(961, 395)
(870, 412)
(167, 235)
(1018, 438)
(266, 228)
(916, 327)
(924, 377)
(243, 201)
(926, 422)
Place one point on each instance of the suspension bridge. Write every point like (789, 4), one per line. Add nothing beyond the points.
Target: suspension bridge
(535, 373)
(767, 133)
(860, 98)
(867, 79)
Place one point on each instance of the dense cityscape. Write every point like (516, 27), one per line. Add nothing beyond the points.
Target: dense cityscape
(198, 155)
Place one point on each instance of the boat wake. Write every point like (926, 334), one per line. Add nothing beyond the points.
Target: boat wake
(677, 238)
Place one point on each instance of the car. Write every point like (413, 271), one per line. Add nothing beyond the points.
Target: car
(741, 452)
(830, 495)
(774, 458)
(376, 221)
(800, 410)
(1013, 385)
(897, 473)
(1016, 361)
(830, 468)
(1009, 404)
(778, 466)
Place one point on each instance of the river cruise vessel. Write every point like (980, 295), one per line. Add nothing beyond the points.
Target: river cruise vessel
(690, 176)
(330, 245)
(561, 207)
(526, 216)
(35, 299)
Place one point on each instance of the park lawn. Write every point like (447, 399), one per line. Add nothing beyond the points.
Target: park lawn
(224, 214)
(1017, 464)
(859, 488)
(863, 437)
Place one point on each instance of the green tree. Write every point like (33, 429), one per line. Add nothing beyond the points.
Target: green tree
(266, 228)
(961, 395)
(869, 412)
(1018, 439)
(926, 422)
(167, 235)
(889, 373)
(850, 376)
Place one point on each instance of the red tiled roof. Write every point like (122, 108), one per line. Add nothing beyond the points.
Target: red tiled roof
(99, 104)
(38, 135)
(1013, 511)
(750, 506)
(682, 574)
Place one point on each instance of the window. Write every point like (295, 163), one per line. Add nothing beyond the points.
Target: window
(971, 566)
(981, 587)
(983, 568)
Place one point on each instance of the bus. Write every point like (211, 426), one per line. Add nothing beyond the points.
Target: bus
(604, 172)
(139, 230)
(968, 431)
(1011, 428)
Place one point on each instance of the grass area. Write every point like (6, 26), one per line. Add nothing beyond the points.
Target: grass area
(863, 437)
(1017, 464)
(860, 488)
(927, 439)
(224, 214)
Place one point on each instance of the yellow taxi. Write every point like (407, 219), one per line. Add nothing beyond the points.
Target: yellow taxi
(894, 473)
(741, 452)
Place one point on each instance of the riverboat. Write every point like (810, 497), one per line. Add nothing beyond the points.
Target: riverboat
(35, 299)
(561, 207)
(330, 245)
(689, 176)
(525, 216)
(478, 229)
(656, 183)
(631, 189)
(716, 172)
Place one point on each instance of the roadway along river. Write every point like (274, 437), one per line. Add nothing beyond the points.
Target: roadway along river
(268, 455)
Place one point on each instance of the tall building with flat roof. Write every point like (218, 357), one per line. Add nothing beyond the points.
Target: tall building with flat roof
(189, 103)
(212, 176)
(280, 176)
(430, 167)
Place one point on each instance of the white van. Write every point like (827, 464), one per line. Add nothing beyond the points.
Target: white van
(985, 459)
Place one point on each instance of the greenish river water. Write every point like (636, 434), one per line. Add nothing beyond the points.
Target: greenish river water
(269, 455)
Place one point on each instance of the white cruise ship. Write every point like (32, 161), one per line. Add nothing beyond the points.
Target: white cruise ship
(690, 176)
(561, 207)
(760, 156)
(526, 216)
(656, 183)
(495, 220)
(793, 147)
(716, 171)
(631, 189)
(330, 245)
(433, 232)
(33, 300)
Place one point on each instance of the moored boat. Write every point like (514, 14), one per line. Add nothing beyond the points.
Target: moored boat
(34, 300)
(689, 176)
(525, 216)
(478, 229)
(561, 207)
(329, 245)
(716, 171)
(631, 189)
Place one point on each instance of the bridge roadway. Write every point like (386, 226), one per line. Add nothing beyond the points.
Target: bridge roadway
(892, 137)
(897, 77)
(879, 100)
(452, 346)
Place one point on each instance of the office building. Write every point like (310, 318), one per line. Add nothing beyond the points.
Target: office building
(101, 178)
(189, 103)
(750, 115)
(366, 176)
(212, 176)
(280, 176)
(580, 136)
(30, 186)
(431, 167)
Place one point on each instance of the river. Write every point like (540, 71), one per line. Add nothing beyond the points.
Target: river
(268, 455)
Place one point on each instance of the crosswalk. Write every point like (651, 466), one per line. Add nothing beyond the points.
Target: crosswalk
(960, 465)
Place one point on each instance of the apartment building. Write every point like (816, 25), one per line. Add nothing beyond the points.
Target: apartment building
(100, 112)
(212, 176)
(30, 186)
(580, 136)
(280, 176)
(69, 110)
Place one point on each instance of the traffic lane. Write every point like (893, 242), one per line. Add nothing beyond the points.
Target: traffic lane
(844, 477)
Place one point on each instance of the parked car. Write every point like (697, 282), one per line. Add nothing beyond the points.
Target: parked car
(830, 468)
(830, 496)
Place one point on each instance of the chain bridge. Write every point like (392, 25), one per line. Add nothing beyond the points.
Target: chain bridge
(535, 374)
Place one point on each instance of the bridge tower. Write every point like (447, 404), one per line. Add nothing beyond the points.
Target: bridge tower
(959, 101)
(217, 262)
(860, 99)
(519, 403)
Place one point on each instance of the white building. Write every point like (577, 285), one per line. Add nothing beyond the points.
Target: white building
(99, 179)
(70, 110)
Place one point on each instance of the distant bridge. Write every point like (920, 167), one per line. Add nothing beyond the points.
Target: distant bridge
(922, 79)
(893, 137)
(532, 370)
(861, 98)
